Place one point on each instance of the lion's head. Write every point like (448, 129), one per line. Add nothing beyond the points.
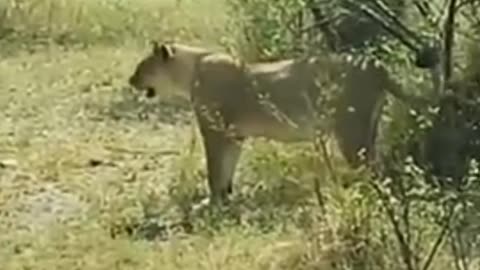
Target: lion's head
(157, 71)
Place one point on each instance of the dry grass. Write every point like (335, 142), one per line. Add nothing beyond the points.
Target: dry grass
(86, 167)
(82, 156)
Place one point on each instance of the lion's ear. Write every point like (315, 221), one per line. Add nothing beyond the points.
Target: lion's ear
(164, 50)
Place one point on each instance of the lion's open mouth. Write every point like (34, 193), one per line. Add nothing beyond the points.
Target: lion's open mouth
(150, 92)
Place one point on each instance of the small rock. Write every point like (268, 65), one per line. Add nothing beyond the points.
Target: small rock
(95, 162)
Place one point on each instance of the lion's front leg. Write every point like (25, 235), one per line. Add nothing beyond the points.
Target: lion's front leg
(222, 152)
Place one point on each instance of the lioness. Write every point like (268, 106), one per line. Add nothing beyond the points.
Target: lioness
(233, 100)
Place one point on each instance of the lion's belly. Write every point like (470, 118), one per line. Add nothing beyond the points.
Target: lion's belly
(284, 129)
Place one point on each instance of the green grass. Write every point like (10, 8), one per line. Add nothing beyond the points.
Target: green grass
(85, 23)
(82, 159)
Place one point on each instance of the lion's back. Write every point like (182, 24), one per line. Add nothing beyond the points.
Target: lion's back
(220, 74)
(220, 65)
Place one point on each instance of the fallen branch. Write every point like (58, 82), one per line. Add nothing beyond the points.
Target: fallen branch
(140, 151)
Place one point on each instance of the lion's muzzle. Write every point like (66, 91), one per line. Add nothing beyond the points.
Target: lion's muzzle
(150, 92)
(134, 82)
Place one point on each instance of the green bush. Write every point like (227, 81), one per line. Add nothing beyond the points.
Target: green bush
(273, 29)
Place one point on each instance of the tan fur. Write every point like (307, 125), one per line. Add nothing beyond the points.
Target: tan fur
(233, 100)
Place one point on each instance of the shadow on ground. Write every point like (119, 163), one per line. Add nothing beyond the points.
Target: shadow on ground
(260, 206)
(166, 110)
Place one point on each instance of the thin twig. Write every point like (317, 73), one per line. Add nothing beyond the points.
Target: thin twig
(291, 20)
(426, 10)
(318, 139)
(455, 251)
(328, 160)
(473, 17)
(392, 16)
(466, 2)
(449, 31)
(387, 26)
(406, 212)
(318, 193)
(193, 140)
(316, 24)
(458, 250)
(404, 245)
(423, 7)
(440, 238)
